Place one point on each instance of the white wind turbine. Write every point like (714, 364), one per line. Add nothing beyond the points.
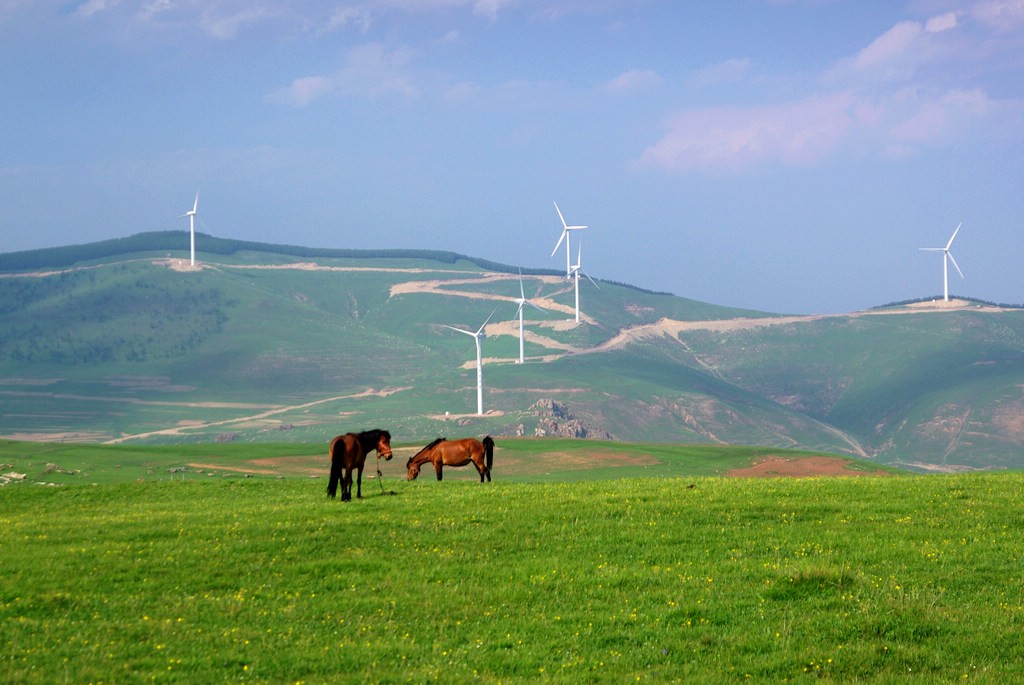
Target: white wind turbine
(575, 271)
(947, 257)
(191, 214)
(522, 301)
(477, 337)
(565, 236)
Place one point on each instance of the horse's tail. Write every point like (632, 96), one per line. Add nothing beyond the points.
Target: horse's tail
(489, 451)
(332, 485)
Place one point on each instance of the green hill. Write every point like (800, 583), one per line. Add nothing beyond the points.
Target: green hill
(122, 341)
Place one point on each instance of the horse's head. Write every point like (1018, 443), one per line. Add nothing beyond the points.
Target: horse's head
(414, 470)
(413, 465)
(384, 445)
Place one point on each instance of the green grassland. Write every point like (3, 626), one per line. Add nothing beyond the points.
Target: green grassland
(517, 459)
(106, 342)
(697, 579)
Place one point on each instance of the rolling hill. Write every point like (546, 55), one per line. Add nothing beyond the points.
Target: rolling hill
(121, 341)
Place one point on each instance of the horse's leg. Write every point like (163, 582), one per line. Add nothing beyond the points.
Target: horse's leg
(346, 487)
(479, 464)
(359, 481)
(437, 467)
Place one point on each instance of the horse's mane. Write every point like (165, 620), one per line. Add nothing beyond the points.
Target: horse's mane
(368, 439)
(431, 445)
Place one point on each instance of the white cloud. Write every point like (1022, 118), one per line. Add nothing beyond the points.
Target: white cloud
(896, 96)
(360, 17)
(1000, 15)
(91, 7)
(633, 81)
(224, 22)
(805, 132)
(943, 22)
(302, 91)
(927, 121)
(369, 71)
(730, 138)
(891, 45)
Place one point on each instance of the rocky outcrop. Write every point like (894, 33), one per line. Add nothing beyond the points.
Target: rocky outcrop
(557, 421)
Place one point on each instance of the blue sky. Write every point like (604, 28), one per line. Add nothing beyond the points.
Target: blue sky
(789, 156)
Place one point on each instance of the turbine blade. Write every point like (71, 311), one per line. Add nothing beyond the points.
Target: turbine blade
(522, 295)
(480, 330)
(954, 234)
(559, 214)
(954, 263)
(559, 243)
(591, 279)
(195, 205)
(933, 249)
(537, 307)
(457, 329)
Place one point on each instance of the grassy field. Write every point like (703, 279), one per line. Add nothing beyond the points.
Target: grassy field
(620, 580)
(517, 459)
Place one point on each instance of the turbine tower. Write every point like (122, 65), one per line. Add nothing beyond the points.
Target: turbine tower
(191, 214)
(947, 257)
(565, 236)
(477, 337)
(522, 301)
(575, 271)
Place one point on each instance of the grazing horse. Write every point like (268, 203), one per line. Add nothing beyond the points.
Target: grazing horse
(349, 452)
(454, 453)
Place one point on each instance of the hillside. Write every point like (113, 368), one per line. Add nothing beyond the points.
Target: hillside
(122, 342)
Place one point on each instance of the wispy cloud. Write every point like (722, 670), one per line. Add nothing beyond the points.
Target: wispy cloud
(221, 21)
(91, 7)
(999, 15)
(731, 138)
(359, 17)
(894, 97)
(633, 81)
(369, 71)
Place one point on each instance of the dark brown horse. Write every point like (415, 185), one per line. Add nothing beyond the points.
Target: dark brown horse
(349, 452)
(443, 452)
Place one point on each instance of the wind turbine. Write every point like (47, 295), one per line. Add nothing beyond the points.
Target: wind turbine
(575, 271)
(947, 257)
(191, 214)
(523, 301)
(477, 337)
(565, 236)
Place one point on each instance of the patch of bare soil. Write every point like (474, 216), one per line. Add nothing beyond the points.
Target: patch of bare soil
(57, 436)
(1008, 420)
(589, 460)
(802, 467)
(179, 264)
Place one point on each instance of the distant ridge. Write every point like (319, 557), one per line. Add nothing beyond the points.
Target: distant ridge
(155, 241)
(971, 300)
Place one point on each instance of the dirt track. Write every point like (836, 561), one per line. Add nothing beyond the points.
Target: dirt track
(191, 425)
(802, 467)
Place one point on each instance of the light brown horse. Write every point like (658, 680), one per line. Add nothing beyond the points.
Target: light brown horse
(349, 452)
(443, 452)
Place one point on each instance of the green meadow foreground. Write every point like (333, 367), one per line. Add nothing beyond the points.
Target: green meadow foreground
(873, 579)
